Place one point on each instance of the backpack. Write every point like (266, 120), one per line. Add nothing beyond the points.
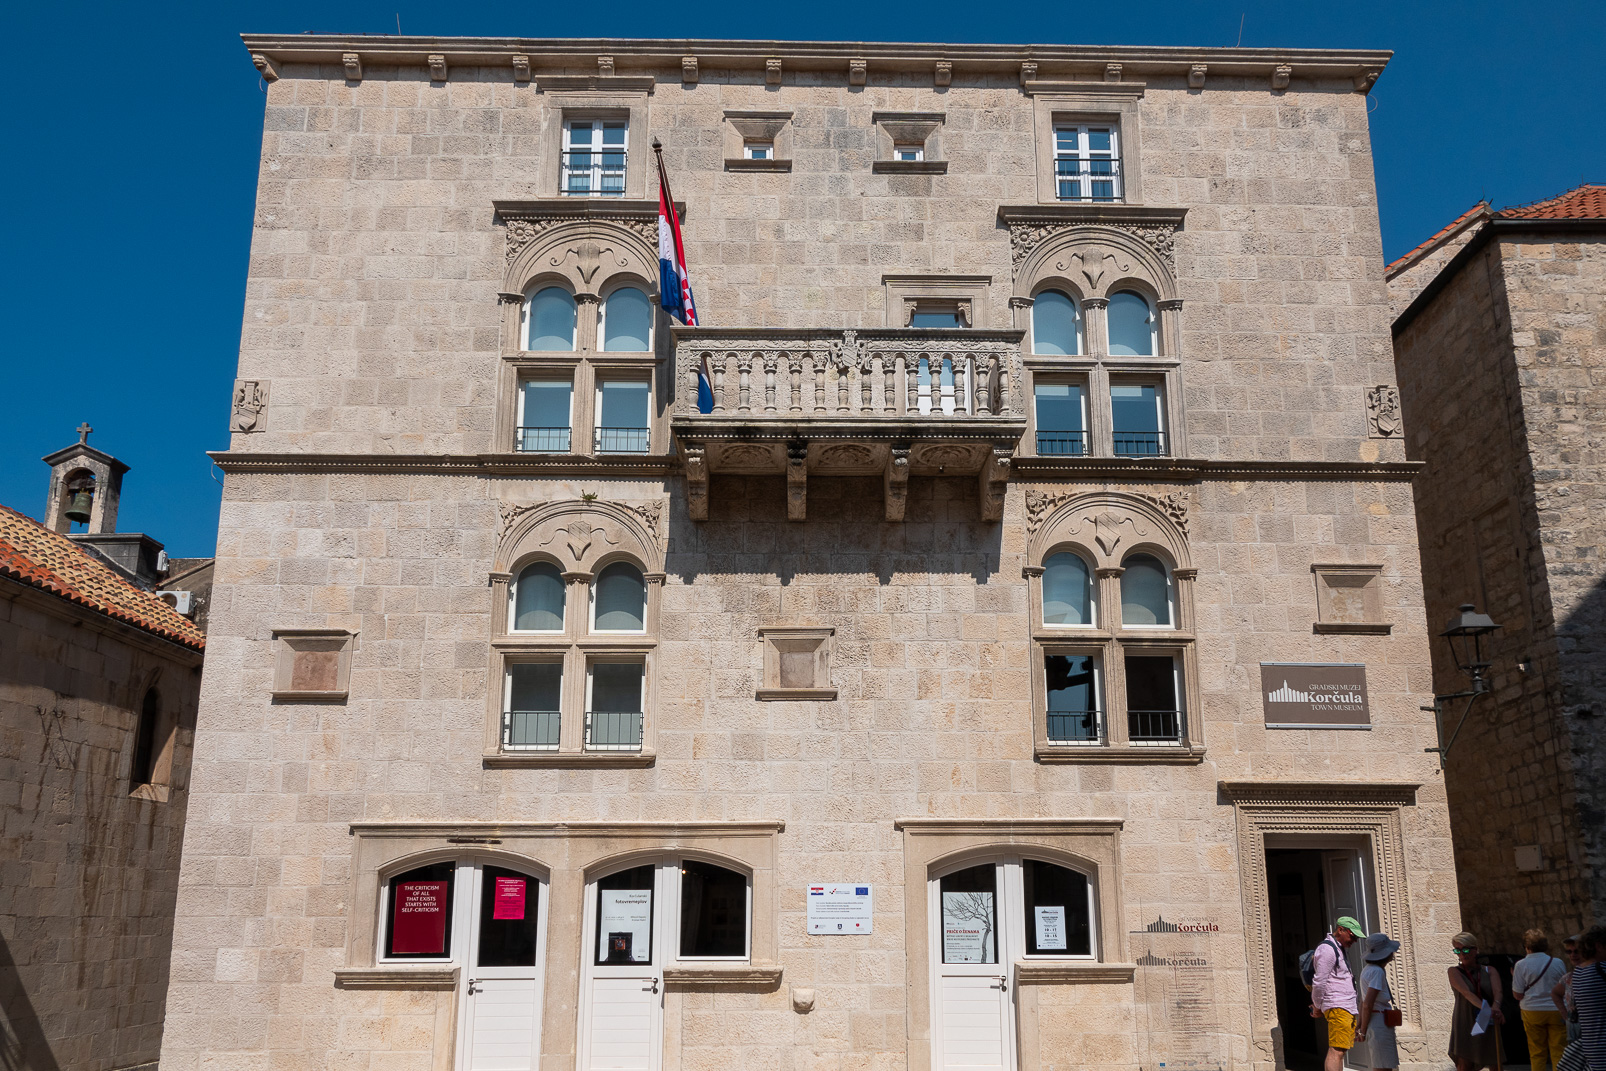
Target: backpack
(1307, 963)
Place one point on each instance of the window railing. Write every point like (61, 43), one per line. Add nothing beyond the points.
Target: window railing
(1140, 444)
(1061, 443)
(530, 730)
(1154, 726)
(1087, 180)
(544, 440)
(594, 173)
(1075, 727)
(613, 730)
(622, 440)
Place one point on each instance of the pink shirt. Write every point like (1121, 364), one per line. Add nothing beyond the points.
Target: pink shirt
(1335, 985)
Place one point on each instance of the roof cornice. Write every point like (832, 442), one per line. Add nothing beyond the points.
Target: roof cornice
(1361, 66)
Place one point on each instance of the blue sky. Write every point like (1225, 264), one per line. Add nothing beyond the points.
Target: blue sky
(130, 173)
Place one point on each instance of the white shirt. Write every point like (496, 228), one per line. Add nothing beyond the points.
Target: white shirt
(1533, 976)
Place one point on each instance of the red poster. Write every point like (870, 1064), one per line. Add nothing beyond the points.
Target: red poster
(418, 923)
(509, 899)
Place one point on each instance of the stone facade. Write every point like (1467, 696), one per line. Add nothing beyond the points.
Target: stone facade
(403, 205)
(1510, 508)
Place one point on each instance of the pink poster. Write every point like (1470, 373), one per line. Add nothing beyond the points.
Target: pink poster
(418, 925)
(509, 902)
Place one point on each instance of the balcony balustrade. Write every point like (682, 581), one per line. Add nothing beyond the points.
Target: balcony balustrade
(880, 401)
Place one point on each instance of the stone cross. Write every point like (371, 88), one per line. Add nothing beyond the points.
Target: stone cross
(83, 431)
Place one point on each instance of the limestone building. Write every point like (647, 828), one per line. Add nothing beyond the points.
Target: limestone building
(1510, 305)
(99, 679)
(1009, 661)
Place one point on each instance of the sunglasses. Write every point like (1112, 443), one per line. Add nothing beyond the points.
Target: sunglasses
(1464, 951)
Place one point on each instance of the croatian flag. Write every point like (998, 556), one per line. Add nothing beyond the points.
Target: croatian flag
(674, 283)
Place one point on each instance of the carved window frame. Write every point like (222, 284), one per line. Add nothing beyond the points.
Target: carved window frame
(922, 130)
(968, 295)
(1112, 104)
(604, 102)
(582, 538)
(1106, 528)
(757, 127)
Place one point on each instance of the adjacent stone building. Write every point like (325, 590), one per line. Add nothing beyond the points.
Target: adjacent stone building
(1500, 341)
(993, 637)
(99, 680)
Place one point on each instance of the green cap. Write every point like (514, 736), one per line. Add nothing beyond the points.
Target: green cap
(1347, 923)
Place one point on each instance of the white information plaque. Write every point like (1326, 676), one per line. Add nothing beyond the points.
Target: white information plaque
(844, 907)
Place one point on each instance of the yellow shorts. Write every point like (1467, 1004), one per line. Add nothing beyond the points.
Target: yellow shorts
(1340, 1028)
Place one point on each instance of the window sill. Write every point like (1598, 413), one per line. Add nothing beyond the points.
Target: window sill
(153, 792)
(1029, 972)
(768, 695)
(757, 976)
(1129, 755)
(909, 167)
(568, 760)
(431, 977)
(1352, 628)
(757, 165)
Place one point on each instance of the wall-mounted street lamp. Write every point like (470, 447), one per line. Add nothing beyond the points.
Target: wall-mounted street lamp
(1464, 634)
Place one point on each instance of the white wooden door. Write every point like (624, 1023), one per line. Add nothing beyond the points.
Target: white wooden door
(973, 1013)
(502, 971)
(622, 1006)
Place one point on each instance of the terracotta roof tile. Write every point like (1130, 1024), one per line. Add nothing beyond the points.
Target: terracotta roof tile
(1477, 210)
(32, 554)
(1586, 202)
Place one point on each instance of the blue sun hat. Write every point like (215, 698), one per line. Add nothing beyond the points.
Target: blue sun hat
(1380, 948)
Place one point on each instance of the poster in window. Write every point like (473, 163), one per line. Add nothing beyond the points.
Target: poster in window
(510, 897)
(1051, 929)
(967, 927)
(418, 919)
(625, 926)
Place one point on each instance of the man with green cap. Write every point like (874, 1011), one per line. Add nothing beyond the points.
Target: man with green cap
(1333, 991)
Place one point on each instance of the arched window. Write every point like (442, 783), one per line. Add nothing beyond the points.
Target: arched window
(549, 317)
(1145, 592)
(538, 599)
(143, 769)
(619, 602)
(1067, 591)
(1056, 325)
(627, 321)
(1131, 321)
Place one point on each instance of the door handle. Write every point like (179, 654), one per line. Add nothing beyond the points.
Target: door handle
(472, 982)
(1003, 984)
(651, 986)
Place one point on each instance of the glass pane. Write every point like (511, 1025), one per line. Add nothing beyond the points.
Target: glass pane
(1065, 139)
(624, 916)
(935, 318)
(508, 902)
(616, 687)
(621, 600)
(1151, 698)
(713, 910)
(627, 321)
(1056, 325)
(1072, 685)
(1135, 419)
(420, 923)
(614, 133)
(1098, 140)
(551, 319)
(538, 599)
(544, 423)
(1059, 419)
(1057, 922)
(1131, 324)
(622, 416)
(579, 133)
(1145, 592)
(970, 915)
(535, 686)
(1067, 591)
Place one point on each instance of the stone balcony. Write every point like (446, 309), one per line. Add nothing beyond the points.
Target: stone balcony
(893, 402)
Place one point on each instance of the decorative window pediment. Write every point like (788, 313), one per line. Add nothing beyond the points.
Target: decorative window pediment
(583, 535)
(1109, 526)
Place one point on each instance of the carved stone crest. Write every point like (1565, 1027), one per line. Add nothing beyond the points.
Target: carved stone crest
(1383, 411)
(521, 232)
(846, 353)
(250, 402)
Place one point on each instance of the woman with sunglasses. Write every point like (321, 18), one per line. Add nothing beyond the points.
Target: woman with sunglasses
(1472, 986)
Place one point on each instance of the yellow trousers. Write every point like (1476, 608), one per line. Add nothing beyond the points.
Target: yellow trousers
(1547, 1037)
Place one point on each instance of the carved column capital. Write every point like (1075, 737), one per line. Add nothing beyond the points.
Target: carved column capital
(1170, 304)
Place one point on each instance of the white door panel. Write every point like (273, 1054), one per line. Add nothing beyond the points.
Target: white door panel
(975, 1029)
(502, 1033)
(622, 1016)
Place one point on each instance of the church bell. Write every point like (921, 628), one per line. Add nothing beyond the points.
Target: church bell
(78, 508)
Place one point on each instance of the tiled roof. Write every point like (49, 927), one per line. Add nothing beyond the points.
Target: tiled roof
(1586, 202)
(32, 554)
(1477, 210)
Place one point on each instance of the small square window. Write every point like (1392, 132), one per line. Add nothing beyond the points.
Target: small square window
(758, 150)
(908, 152)
(312, 665)
(797, 663)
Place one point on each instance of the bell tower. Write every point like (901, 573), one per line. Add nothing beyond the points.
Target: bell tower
(85, 485)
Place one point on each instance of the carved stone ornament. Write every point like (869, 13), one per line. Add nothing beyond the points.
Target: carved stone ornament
(579, 533)
(944, 74)
(688, 70)
(1024, 238)
(588, 256)
(1383, 412)
(1175, 506)
(1109, 523)
(521, 232)
(521, 68)
(250, 401)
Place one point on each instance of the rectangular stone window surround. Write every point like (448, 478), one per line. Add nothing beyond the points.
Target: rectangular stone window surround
(909, 128)
(797, 664)
(625, 100)
(1093, 840)
(1349, 600)
(1112, 103)
(967, 293)
(1111, 642)
(566, 854)
(741, 127)
(312, 665)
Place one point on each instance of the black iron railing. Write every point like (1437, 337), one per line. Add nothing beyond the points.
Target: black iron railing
(544, 440)
(1140, 444)
(1087, 180)
(530, 730)
(1075, 727)
(622, 440)
(1061, 443)
(594, 173)
(1154, 726)
(613, 730)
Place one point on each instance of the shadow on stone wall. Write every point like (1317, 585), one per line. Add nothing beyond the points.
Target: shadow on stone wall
(1579, 694)
(23, 1046)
